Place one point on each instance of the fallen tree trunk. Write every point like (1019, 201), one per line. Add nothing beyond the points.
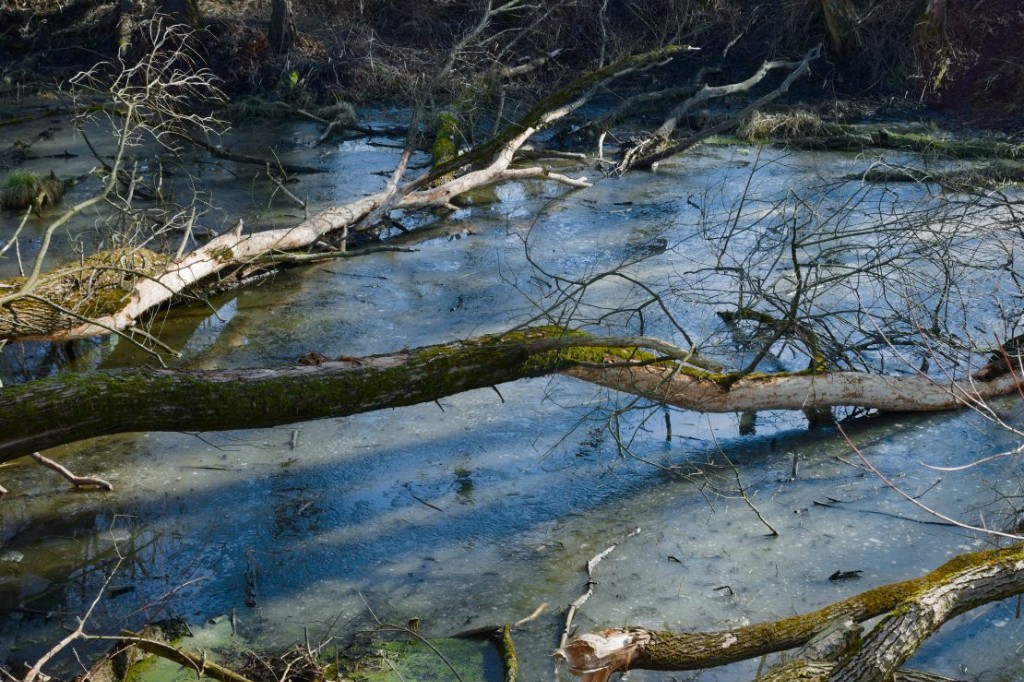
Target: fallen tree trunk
(659, 145)
(53, 320)
(916, 607)
(703, 391)
(71, 407)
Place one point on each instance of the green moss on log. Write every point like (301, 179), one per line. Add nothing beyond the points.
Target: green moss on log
(806, 131)
(104, 402)
(690, 651)
(446, 145)
(987, 175)
(223, 254)
(94, 287)
(508, 655)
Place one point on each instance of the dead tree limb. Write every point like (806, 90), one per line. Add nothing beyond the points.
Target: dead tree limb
(71, 477)
(659, 145)
(72, 407)
(133, 646)
(917, 608)
(163, 281)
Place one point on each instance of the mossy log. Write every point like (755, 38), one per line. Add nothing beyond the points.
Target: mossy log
(857, 138)
(990, 174)
(71, 407)
(917, 608)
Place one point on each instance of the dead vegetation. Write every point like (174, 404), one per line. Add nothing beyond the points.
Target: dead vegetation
(384, 51)
(782, 126)
(24, 189)
(157, 280)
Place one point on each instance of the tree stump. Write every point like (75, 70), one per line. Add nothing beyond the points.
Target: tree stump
(282, 27)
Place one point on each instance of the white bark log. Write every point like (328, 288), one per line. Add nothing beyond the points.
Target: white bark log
(232, 250)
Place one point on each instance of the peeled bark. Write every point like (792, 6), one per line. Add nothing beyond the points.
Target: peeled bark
(917, 607)
(705, 392)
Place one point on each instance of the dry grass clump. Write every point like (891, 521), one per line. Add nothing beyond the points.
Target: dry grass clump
(783, 126)
(23, 189)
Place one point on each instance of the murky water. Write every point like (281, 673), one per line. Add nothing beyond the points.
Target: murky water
(477, 510)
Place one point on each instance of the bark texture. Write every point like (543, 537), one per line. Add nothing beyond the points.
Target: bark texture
(706, 392)
(917, 607)
(282, 27)
(71, 407)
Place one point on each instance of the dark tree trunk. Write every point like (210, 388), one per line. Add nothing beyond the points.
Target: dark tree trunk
(282, 27)
(182, 11)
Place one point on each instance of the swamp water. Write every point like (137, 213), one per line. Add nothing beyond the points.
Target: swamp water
(476, 511)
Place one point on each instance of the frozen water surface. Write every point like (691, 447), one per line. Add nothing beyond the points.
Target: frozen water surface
(477, 510)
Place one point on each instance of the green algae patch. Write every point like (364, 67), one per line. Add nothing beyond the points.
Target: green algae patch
(223, 254)
(394, 661)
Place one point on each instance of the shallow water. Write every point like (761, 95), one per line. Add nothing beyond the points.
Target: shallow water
(477, 510)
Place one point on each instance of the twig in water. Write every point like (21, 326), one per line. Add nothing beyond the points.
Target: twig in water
(285, 190)
(923, 507)
(533, 616)
(421, 500)
(743, 492)
(582, 599)
(77, 481)
(36, 671)
(746, 498)
(388, 660)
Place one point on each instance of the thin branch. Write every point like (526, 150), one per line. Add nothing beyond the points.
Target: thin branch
(35, 671)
